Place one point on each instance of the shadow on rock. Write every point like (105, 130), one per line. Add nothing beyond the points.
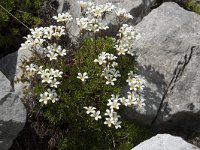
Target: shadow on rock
(153, 93)
(8, 130)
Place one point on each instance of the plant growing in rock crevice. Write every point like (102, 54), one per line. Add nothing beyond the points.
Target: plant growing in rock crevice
(72, 84)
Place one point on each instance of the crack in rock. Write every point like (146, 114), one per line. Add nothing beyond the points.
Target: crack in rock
(178, 72)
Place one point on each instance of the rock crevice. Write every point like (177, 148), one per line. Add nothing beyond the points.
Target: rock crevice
(178, 72)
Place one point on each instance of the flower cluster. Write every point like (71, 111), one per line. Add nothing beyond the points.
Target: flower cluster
(50, 76)
(127, 35)
(63, 17)
(91, 111)
(123, 15)
(112, 116)
(136, 82)
(93, 16)
(107, 61)
(50, 95)
(134, 98)
(53, 51)
(40, 40)
(40, 36)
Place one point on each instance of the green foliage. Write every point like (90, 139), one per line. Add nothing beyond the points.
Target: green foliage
(83, 131)
(25, 10)
(193, 6)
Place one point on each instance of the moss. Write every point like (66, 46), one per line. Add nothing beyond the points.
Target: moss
(26, 11)
(193, 6)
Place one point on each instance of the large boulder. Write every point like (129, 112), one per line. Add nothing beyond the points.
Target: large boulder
(12, 110)
(168, 56)
(12, 113)
(165, 142)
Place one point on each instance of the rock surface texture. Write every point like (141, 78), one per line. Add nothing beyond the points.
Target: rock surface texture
(12, 110)
(168, 54)
(165, 142)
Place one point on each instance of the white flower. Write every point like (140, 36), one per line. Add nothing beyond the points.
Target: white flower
(58, 31)
(56, 73)
(125, 101)
(113, 103)
(31, 69)
(63, 17)
(52, 56)
(115, 116)
(48, 32)
(111, 56)
(123, 13)
(103, 26)
(90, 109)
(53, 95)
(109, 122)
(109, 112)
(46, 78)
(132, 98)
(141, 102)
(54, 83)
(83, 76)
(108, 7)
(118, 124)
(100, 60)
(110, 80)
(82, 23)
(115, 97)
(131, 74)
(44, 97)
(37, 33)
(114, 64)
(136, 82)
(115, 72)
(83, 4)
(96, 115)
(121, 49)
(61, 52)
(39, 69)
(44, 72)
(97, 11)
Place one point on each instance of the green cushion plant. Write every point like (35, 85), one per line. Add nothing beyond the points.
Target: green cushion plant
(80, 90)
(193, 6)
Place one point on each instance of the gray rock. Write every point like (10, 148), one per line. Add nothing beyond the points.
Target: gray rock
(169, 58)
(12, 114)
(4, 84)
(165, 142)
(12, 110)
(10, 67)
(12, 119)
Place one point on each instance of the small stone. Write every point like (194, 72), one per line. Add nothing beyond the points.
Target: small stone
(165, 142)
